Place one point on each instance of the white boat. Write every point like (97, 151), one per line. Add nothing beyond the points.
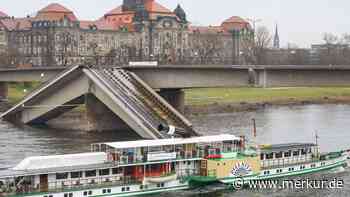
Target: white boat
(153, 166)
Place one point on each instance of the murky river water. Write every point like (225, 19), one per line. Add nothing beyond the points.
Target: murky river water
(275, 125)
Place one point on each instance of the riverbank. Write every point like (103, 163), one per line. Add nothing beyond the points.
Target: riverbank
(228, 100)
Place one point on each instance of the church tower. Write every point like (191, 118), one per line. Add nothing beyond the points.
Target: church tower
(276, 40)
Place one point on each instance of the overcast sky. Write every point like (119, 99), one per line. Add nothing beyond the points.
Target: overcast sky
(301, 22)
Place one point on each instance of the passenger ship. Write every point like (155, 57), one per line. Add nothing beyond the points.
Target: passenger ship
(153, 166)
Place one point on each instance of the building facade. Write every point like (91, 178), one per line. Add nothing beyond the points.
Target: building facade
(138, 30)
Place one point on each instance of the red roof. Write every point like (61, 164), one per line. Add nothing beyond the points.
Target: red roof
(55, 7)
(235, 19)
(235, 22)
(116, 11)
(55, 11)
(16, 24)
(153, 6)
(2, 14)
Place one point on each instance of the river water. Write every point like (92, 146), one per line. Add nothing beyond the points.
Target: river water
(274, 125)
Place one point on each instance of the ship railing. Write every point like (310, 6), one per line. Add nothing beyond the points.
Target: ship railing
(281, 163)
(127, 160)
(76, 184)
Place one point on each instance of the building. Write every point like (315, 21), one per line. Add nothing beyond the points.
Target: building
(138, 30)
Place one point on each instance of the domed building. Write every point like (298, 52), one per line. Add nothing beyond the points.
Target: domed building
(55, 12)
(137, 30)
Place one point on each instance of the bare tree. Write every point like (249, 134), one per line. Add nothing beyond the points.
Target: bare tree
(207, 48)
(254, 49)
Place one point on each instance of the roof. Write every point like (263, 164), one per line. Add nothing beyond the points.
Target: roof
(46, 162)
(235, 19)
(235, 22)
(173, 141)
(2, 14)
(55, 11)
(153, 6)
(55, 7)
(16, 23)
(284, 147)
(4, 173)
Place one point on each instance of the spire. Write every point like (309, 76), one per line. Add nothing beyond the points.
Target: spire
(276, 40)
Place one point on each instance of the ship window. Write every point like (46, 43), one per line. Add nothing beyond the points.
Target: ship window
(127, 188)
(302, 167)
(85, 193)
(262, 156)
(60, 176)
(279, 155)
(109, 190)
(303, 151)
(291, 169)
(104, 172)
(162, 185)
(90, 192)
(269, 156)
(116, 170)
(90, 173)
(65, 195)
(287, 154)
(104, 191)
(266, 172)
(123, 189)
(296, 153)
(141, 187)
(75, 175)
(312, 165)
(323, 163)
(50, 195)
(70, 195)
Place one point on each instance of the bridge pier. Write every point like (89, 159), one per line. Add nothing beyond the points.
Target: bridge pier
(175, 97)
(100, 118)
(3, 91)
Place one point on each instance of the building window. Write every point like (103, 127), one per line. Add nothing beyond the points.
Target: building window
(60, 176)
(75, 175)
(90, 173)
(104, 172)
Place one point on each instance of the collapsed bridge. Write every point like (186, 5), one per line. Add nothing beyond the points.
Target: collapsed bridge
(123, 93)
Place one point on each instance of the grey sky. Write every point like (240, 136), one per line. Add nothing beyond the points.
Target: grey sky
(300, 21)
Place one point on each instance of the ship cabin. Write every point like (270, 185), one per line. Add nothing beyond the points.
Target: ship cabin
(153, 158)
(143, 162)
(281, 155)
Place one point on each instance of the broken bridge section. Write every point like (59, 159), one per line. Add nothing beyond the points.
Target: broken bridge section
(124, 94)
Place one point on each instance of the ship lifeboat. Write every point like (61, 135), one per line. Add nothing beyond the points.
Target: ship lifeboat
(162, 179)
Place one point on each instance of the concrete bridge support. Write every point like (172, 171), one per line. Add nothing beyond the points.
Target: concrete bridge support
(3, 90)
(175, 97)
(101, 118)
